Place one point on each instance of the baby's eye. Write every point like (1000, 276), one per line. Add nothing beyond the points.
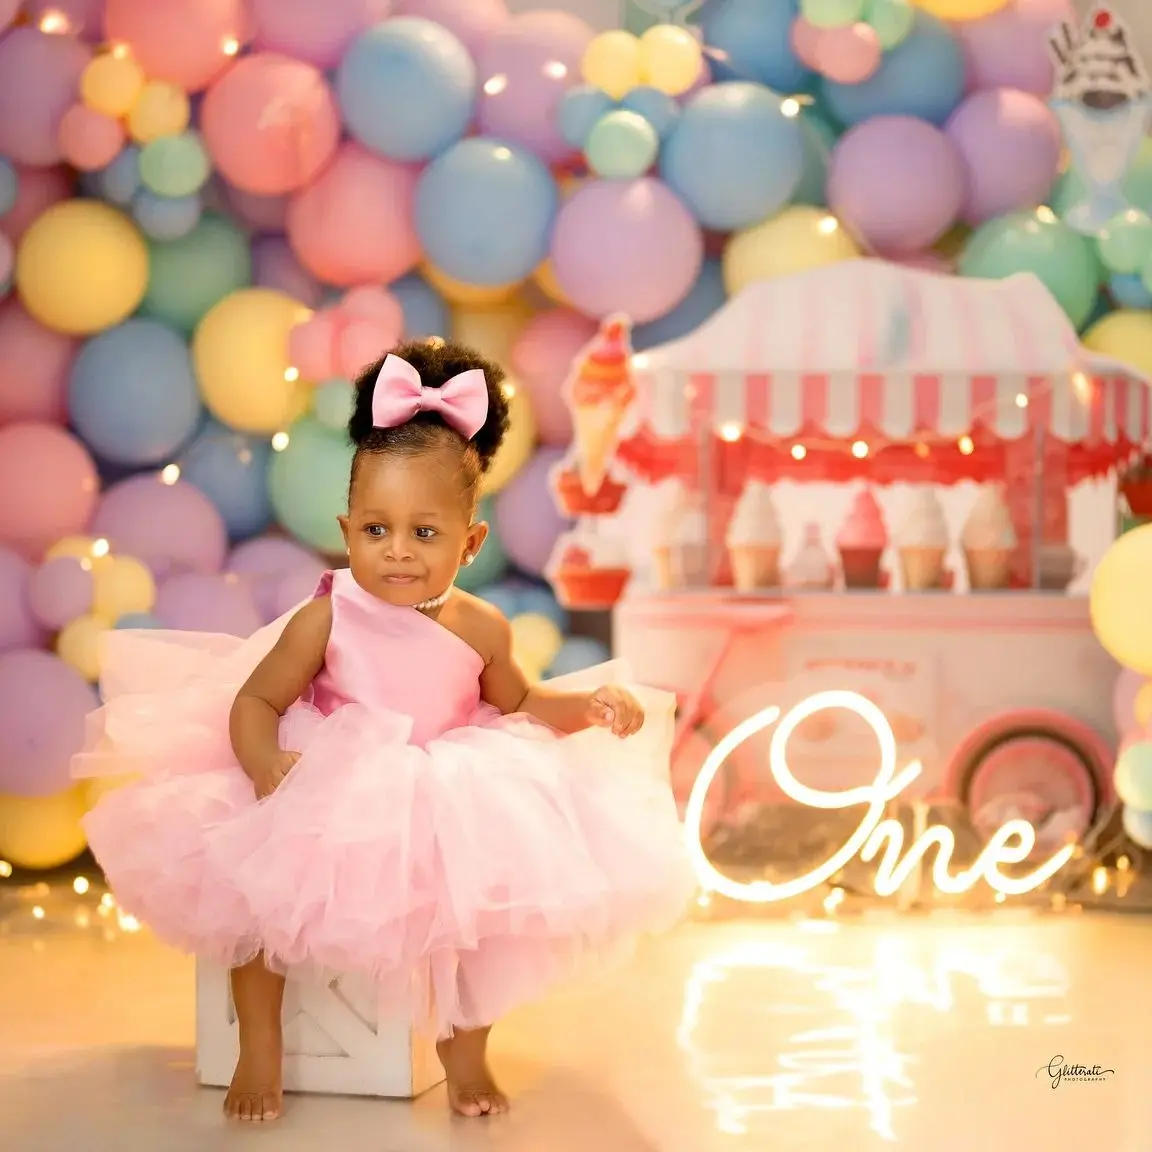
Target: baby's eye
(425, 533)
(376, 530)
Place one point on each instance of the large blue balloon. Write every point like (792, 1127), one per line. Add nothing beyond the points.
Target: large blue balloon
(922, 76)
(425, 313)
(406, 88)
(231, 469)
(484, 212)
(164, 217)
(120, 181)
(308, 484)
(658, 108)
(132, 394)
(703, 299)
(540, 600)
(751, 40)
(734, 156)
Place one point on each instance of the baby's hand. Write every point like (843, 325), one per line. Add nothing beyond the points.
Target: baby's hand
(270, 775)
(615, 708)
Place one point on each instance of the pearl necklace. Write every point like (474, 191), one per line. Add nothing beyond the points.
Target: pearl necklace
(435, 602)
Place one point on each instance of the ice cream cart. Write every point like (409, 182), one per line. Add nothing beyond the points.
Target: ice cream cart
(886, 479)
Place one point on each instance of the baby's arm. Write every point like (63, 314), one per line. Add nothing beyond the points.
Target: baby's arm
(277, 683)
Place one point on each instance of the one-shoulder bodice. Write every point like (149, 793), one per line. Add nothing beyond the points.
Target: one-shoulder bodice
(394, 659)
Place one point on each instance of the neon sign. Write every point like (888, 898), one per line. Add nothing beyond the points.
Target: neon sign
(874, 836)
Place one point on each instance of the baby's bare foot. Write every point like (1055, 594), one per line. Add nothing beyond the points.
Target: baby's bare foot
(255, 1093)
(471, 1089)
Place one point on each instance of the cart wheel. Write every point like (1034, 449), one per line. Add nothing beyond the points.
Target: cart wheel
(1046, 767)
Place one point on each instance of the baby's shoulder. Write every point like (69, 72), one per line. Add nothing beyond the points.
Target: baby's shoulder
(481, 624)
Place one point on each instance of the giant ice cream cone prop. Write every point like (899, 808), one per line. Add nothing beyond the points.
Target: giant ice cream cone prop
(600, 392)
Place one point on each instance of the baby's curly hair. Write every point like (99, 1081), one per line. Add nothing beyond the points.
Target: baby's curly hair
(437, 361)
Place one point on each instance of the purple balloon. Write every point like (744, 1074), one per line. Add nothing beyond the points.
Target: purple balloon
(472, 22)
(1009, 49)
(41, 81)
(626, 246)
(296, 586)
(81, 18)
(43, 704)
(59, 591)
(192, 602)
(316, 32)
(526, 519)
(896, 183)
(274, 265)
(18, 627)
(170, 527)
(525, 69)
(1010, 144)
(265, 563)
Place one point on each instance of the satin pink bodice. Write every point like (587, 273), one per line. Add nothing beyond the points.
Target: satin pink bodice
(392, 659)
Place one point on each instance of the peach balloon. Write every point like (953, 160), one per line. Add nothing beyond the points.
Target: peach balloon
(37, 189)
(89, 139)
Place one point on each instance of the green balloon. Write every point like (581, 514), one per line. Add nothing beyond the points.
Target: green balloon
(832, 13)
(188, 276)
(308, 484)
(1126, 243)
(621, 146)
(491, 562)
(332, 403)
(1063, 260)
(175, 166)
(891, 20)
(1069, 190)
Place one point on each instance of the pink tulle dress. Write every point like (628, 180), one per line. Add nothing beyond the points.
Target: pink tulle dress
(464, 859)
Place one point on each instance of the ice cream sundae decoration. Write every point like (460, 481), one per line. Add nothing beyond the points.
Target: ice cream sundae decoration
(1103, 100)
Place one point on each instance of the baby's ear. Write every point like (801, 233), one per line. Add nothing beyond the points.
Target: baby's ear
(343, 522)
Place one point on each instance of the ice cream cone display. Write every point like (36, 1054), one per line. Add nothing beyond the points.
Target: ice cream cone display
(811, 568)
(588, 571)
(754, 539)
(989, 540)
(861, 542)
(600, 391)
(575, 500)
(922, 543)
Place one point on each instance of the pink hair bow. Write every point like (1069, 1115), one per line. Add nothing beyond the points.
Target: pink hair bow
(398, 395)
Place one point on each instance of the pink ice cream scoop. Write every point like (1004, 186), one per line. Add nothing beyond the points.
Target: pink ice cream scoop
(864, 526)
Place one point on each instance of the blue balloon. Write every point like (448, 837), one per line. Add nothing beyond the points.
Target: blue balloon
(922, 76)
(704, 298)
(734, 157)
(751, 40)
(120, 181)
(132, 394)
(577, 654)
(503, 597)
(1129, 292)
(541, 600)
(492, 562)
(484, 212)
(658, 108)
(581, 109)
(9, 185)
(820, 137)
(308, 484)
(165, 218)
(231, 469)
(137, 620)
(425, 312)
(1138, 826)
(406, 88)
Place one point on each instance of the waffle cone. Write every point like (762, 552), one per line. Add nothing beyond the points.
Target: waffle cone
(754, 566)
(988, 568)
(861, 567)
(597, 431)
(923, 568)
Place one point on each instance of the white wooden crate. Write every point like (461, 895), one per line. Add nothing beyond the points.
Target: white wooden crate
(335, 1041)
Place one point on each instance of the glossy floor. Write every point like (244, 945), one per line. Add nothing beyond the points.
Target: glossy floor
(931, 1035)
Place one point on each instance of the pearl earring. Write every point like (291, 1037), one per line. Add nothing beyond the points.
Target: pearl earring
(468, 558)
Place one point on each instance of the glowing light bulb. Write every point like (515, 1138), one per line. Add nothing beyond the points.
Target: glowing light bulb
(790, 108)
(291, 375)
(229, 45)
(859, 449)
(107, 900)
(120, 51)
(37, 912)
(556, 69)
(54, 23)
(170, 474)
(5, 869)
(1082, 387)
(280, 441)
(1021, 400)
(966, 445)
(100, 548)
(731, 431)
(827, 225)
(494, 85)
(1099, 879)
(80, 885)
(921, 450)
(799, 451)
(508, 389)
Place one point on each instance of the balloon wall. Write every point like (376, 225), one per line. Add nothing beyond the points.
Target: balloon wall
(211, 220)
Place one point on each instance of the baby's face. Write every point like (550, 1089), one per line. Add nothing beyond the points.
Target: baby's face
(408, 526)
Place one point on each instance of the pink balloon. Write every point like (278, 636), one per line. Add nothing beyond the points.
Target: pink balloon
(170, 527)
(193, 602)
(89, 140)
(7, 258)
(541, 360)
(312, 346)
(315, 31)
(356, 223)
(38, 189)
(849, 55)
(1009, 49)
(626, 246)
(264, 213)
(270, 124)
(48, 487)
(60, 591)
(262, 564)
(33, 368)
(525, 69)
(378, 305)
(471, 21)
(18, 627)
(184, 43)
(41, 78)
(274, 265)
(361, 343)
(805, 38)
(8, 10)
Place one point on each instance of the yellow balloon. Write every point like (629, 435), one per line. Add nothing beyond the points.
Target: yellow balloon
(122, 586)
(1143, 706)
(518, 445)
(78, 645)
(1118, 600)
(960, 10)
(459, 292)
(612, 63)
(535, 640)
(42, 831)
(545, 279)
(111, 84)
(1125, 336)
(670, 58)
(491, 330)
(95, 788)
(75, 548)
(797, 239)
(161, 109)
(240, 353)
(81, 267)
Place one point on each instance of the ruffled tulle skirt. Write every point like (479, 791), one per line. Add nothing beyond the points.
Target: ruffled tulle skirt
(465, 876)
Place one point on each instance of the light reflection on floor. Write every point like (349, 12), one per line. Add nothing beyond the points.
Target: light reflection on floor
(927, 1034)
